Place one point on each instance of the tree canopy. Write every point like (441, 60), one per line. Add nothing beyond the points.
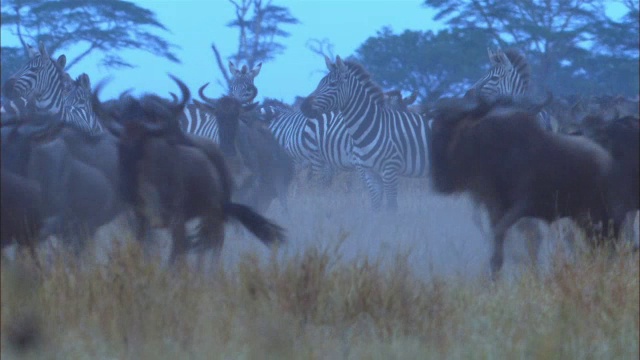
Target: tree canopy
(105, 26)
(571, 45)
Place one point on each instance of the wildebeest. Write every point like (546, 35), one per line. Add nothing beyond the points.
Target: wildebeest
(21, 210)
(498, 153)
(75, 172)
(260, 166)
(169, 178)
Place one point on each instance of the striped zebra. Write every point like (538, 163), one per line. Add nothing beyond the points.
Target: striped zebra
(323, 143)
(333, 142)
(386, 143)
(509, 74)
(52, 90)
(198, 118)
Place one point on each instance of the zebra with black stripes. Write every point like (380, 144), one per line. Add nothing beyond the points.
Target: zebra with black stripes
(386, 143)
(44, 82)
(509, 74)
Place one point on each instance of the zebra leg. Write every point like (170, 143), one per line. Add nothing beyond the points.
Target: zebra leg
(390, 181)
(374, 185)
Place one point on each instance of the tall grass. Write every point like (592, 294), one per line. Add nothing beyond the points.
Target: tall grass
(311, 306)
(411, 291)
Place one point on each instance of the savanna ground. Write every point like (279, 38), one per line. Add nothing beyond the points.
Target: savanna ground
(348, 285)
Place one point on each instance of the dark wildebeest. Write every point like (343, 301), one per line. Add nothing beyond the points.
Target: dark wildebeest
(21, 210)
(260, 166)
(170, 177)
(499, 154)
(75, 171)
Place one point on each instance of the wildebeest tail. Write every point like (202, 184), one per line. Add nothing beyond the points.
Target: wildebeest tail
(265, 230)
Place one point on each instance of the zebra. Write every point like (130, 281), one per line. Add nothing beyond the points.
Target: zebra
(509, 74)
(386, 143)
(321, 143)
(198, 118)
(44, 81)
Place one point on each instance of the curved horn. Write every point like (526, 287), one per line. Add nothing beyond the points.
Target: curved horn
(186, 96)
(206, 99)
(108, 117)
(412, 98)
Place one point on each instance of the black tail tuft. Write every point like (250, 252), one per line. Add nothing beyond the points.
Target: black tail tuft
(261, 227)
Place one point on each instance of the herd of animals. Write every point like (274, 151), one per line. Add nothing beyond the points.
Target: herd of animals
(72, 163)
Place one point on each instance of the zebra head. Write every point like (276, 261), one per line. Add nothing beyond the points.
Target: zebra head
(331, 93)
(241, 84)
(36, 77)
(509, 75)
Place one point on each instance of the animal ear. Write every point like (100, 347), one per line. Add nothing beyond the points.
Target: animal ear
(43, 50)
(232, 68)
(491, 56)
(328, 62)
(339, 62)
(503, 59)
(62, 61)
(31, 52)
(256, 70)
(84, 81)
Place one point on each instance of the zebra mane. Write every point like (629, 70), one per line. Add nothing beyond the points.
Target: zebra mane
(520, 64)
(359, 71)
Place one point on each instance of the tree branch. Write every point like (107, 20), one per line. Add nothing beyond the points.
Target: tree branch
(221, 64)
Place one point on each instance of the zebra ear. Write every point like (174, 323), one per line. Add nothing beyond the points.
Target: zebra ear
(494, 57)
(256, 70)
(232, 68)
(339, 62)
(503, 59)
(62, 61)
(43, 50)
(328, 62)
(84, 81)
(31, 52)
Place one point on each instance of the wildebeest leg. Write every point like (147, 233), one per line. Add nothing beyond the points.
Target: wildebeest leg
(374, 185)
(212, 234)
(179, 235)
(499, 231)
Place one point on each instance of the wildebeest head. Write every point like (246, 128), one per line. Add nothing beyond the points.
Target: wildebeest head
(228, 112)
(150, 115)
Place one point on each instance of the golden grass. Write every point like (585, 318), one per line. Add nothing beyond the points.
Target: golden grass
(313, 306)
(321, 298)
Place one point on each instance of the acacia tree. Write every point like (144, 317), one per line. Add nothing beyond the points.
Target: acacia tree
(259, 24)
(435, 64)
(566, 41)
(98, 25)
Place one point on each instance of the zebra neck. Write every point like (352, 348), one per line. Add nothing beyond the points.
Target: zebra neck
(51, 101)
(360, 110)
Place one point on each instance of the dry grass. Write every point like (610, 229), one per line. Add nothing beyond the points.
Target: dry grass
(324, 298)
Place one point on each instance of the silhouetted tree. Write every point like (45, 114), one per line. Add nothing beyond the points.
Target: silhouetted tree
(571, 44)
(100, 25)
(435, 64)
(259, 25)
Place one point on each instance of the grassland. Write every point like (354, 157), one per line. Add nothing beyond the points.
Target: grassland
(348, 285)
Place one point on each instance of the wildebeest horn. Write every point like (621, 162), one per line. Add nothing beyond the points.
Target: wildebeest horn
(108, 117)
(186, 95)
(206, 99)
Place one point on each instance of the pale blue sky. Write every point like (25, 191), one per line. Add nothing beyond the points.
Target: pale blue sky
(194, 25)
